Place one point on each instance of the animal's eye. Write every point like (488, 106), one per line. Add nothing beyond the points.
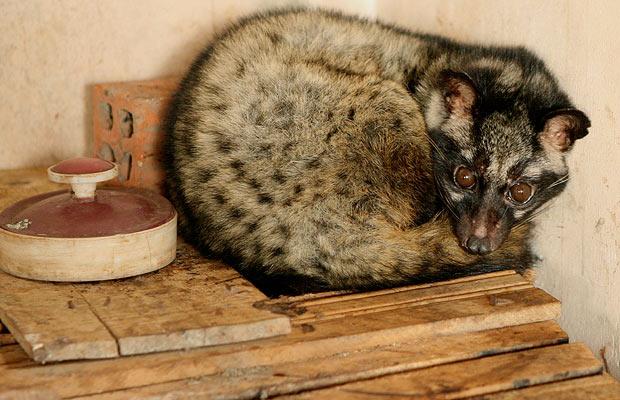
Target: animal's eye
(464, 177)
(521, 192)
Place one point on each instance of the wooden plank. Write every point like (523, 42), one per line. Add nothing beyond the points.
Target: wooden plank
(306, 341)
(52, 322)
(336, 296)
(598, 387)
(374, 302)
(193, 302)
(13, 355)
(350, 366)
(28, 394)
(475, 377)
(18, 184)
(7, 338)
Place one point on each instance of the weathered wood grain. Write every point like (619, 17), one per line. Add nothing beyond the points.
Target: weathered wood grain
(18, 184)
(52, 322)
(598, 387)
(306, 341)
(192, 303)
(7, 338)
(291, 377)
(13, 355)
(474, 377)
(374, 302)
(28, 394)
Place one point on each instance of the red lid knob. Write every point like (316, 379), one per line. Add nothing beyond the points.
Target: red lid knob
(82, 165)
(82, 173)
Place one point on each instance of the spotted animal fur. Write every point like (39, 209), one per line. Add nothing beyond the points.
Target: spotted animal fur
(316, 151)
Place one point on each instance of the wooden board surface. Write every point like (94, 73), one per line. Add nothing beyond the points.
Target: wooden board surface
(598, 387)
(320, 338)
(474, 377)
(191, 303)
(290, 377)
(52, 321)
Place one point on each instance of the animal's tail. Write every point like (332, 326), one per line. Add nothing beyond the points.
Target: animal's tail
(428, 252)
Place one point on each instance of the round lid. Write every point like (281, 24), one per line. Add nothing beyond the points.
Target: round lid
(83, 212)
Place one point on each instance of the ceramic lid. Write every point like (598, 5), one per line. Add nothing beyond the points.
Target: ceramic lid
(84, 212)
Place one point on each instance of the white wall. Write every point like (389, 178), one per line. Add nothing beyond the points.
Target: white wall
(50, 51)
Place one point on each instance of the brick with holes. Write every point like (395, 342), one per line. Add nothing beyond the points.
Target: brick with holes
(127, 127)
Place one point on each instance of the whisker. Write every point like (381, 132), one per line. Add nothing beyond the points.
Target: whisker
(535, 214)
(560, 180)
(437, 215)
(447, 201)
(435, 146)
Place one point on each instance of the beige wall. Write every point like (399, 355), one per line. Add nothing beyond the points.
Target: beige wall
(52, 50)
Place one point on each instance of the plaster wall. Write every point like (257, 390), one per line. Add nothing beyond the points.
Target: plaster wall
(51, 51)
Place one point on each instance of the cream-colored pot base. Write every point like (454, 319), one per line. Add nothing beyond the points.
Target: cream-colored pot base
(88, 259)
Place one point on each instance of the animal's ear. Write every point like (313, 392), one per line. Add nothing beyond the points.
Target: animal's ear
(562, 128)
(459, 93)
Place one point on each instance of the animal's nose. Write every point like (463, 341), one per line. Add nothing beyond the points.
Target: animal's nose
(478, 245)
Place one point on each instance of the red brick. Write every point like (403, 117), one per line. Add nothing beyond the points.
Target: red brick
(127, 127)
